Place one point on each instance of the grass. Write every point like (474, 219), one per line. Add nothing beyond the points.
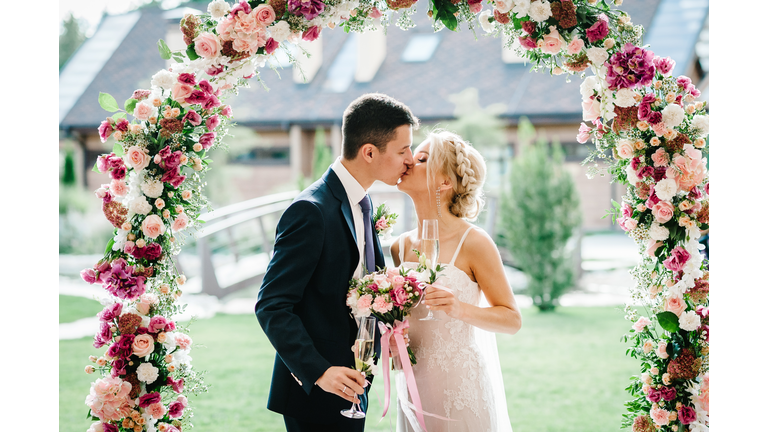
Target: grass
(72, 308)
(564, 371)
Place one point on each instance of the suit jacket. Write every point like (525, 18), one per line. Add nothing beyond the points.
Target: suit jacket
(302, 301)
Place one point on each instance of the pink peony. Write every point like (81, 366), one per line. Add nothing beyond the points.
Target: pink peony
(575, 46)
(264, 14)
(660, 416)
(660, 158)
(153, 226)
(226, 30)
(109, 398)
(364, 302)
(207, 45)
(552, 41)
(641, 323)
(584, 133)
(677, 259)
(663, 211)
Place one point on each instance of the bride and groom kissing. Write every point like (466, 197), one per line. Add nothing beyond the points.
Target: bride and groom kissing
(325, 238)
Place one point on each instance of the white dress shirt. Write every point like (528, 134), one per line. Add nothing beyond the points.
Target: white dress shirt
(355, 193)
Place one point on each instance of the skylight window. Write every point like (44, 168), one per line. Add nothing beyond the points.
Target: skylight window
(420, 48)
(341, 73)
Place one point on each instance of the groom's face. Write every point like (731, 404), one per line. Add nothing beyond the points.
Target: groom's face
(390, 165)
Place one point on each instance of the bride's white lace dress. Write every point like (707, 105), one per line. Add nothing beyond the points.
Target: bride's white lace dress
(458, 373)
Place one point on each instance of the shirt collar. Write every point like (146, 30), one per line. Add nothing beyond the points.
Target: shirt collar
(355, 191)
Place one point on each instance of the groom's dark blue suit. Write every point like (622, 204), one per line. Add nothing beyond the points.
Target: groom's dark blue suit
(302, 302)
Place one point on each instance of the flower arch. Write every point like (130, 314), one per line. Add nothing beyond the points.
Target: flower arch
(646, 125)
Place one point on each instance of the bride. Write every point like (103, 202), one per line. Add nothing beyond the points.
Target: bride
(458, 374)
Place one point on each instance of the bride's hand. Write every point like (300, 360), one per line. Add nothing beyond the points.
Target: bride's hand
(393, 345)
(442, 299)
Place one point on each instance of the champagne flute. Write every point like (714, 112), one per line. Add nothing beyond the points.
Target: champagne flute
(430, 247)
(364, 352)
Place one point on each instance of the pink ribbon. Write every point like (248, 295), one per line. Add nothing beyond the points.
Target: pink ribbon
(406, 362)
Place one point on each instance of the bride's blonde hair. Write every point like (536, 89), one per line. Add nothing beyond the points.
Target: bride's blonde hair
(455, 158)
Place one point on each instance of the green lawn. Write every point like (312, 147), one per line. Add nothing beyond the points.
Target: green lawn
(564, 371)
(73, 308)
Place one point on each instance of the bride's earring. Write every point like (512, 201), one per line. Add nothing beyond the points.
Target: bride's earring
(437, 198)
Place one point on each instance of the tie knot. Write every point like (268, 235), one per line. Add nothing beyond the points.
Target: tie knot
(365, 204)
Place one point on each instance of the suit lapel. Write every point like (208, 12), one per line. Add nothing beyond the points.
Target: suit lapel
(333, 182)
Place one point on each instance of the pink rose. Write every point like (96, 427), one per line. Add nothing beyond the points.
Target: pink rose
(625, 149)
(143, 111)
(265, 15)
(136, 158)
(380, 279)
(584, 133)
(207, 45)
(661, 350)
(399, 296)
(552, 41)
(364, 302)
(663, 211)
(311, 33)
(246, 23)
(118, 187)
(142, 308)
(591, 109)
(641, 323)
(677, 259)
(180, 222)
(271, 46)
(398, 281)
(143, 345)
(575, 46)
(381, 224)
(629, 224)
(153, 226)
(675, 305)
(392, 272)
(181, 92)
(652, 246)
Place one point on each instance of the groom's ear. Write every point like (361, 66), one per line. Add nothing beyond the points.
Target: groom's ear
(367, 151)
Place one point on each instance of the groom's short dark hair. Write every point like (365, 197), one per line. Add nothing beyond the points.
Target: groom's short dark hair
(372, 118)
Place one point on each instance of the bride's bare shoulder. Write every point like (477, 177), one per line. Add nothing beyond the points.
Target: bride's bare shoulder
(479, 243)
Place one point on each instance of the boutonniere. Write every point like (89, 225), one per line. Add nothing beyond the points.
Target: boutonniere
(384, 220)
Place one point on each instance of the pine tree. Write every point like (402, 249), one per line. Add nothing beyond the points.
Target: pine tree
(540, 212)
(72, 36)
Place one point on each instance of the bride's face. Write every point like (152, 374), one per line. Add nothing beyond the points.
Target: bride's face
(414, 181)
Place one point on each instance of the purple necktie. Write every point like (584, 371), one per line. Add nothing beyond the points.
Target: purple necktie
(370, 261)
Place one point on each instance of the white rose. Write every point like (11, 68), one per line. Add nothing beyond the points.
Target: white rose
(666, 189)
(658, 232)
(503, 6)
(672, 115)
(522, 7)
(588, 87)
(540, 11)
(625, 98)
(164, 79)
(140, 206)
(147, 373)
(280, 31)
(597, 55)
(690, 321)
(152, 188)
(485, 22)
(218, 8)
(701, 123)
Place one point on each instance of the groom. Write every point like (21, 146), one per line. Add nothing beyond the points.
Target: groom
(324, 239)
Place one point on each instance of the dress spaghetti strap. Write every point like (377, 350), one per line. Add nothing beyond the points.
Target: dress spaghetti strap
(401, 252)
(456, 254)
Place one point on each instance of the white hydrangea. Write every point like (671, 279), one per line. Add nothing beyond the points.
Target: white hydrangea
(504, 6)
(625, 98)
(218, 8)
(540, 11)
(522, 7)
(484, 20)
(690, 321)
(658, 232)
(597, 55)
(164, 79)
(666, 189)
(632, 177)
(280, 31)
(672, 115)
(181, 358)
(701, 123)
(588, 87)
(147, 373)
(140, 206)
(152, 188)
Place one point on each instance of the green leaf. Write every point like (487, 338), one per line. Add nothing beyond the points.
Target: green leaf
(668, 321)
(120, 115)
(165, 52)
(129, 105)
(109, 246)
(191, 52)
(96, 167)
(117, 149)
(108, 102)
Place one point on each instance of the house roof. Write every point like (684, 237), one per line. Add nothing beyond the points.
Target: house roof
(460, 60)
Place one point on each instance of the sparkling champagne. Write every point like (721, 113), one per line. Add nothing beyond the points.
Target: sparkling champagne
(431, 251)
(364, 352)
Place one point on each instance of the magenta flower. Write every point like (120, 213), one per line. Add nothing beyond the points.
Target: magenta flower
(103, 337)
(664, 65)
(89, 275)
(153, 251)
(207, 139)
(226, 111)
(527, 42)
(686, 414)
(599, 29)
(212, 122)
(654, 395)
(271, 46)
(105, 130)
(309, 8)
(677, 259)
(140, 95)
(122, 125)
(157, 324)
(211, 102)
(118, 173)
(629, 68)
(668, 393)
(242, 6)
(645, 172)
(111, 312)
(197, 97)
(187, 78)
(177, 386)
(109, 427)
(193, 117)
(122, 283)
(311, 33)
(149, 399)
(213, 71)
(206, 86)
(175, 409)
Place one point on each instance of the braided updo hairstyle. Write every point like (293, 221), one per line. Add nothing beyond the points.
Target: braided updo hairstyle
(450, 155)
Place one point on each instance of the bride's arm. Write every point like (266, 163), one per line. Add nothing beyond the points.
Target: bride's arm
(394, 250)
(503, 315)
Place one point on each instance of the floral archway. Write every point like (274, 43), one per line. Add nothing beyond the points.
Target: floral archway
(646, 125)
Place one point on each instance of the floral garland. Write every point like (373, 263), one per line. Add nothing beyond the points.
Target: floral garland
(647, 120)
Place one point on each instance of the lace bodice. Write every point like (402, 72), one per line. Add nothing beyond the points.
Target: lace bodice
(452, 372)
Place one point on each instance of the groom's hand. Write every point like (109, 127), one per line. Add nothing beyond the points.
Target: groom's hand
(344, 382)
